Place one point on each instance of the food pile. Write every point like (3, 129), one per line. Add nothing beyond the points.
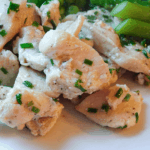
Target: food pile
(78, 54)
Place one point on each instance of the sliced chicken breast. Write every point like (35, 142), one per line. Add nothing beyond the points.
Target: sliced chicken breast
(123, 112)
(31, 56)
(9, 67)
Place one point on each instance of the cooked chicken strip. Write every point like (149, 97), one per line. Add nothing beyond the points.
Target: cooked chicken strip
(9, 67)
(37, 79)
(125, 115)
(71, 54)
(31, 56)
(23, 106)
(11, 21)
(50, 12)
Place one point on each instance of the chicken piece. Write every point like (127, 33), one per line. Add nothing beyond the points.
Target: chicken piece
(126, 114)
(142, 79)
(4, 90)
(32, 14)
(36, 79)
(31, 56)
(26, 106)
(50, 13)
(107, 42)
(9, 67)
(11, 21)
(71, 54)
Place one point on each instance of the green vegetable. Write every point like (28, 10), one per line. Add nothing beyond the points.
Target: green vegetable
(18, 98)
(137, 117)
(79, 86)
(96, 13)
(106, 61)
(127, 97)
(61, 2)
(36, 24)
(48, 14)
(119, 93)
(13, 7)
(3, 33)
(52, 62)
(92, 110)
(138, 92)
(88, 62)
(125, 126)
(38, 2)
(35, 109)
(4, 70)
(111, 70)
(91, 18)
(46, 29)
(54, 99)
(134, 28)
(145, 53)
(118, 70)
(25, 20)
(26, 45)
(138, 50)
(78, 72)
(131, 10)
(28, 84)
(30, 104)
(29, 6)
(73, 9)
(53, 24)
(143, 43)
(105, 107)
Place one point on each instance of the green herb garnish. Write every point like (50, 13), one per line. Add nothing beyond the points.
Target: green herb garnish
(111, 70)
(35, 109)
(13, 7)
(138, 50)
(3, 33)
(138, 92)
(79, 86)
(106, 61)
(4, 70)
(18, 98)
(25, 21)
(143, 43)
(78, 72)
(137, 117)
(88, 62)
(29, 6)
(119, 93)
(35, 24)
(52, 62)
(28, 84)
(125, 126)
(92, 110)
(30, 104)
(145, 54)
(96, 13)
(48, 14)
(53, 24)
(105, 107)
(46, 29)
(26, 45)
(127, 97)
(54, 99)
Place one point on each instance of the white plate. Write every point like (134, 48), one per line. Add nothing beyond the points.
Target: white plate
(73, 131)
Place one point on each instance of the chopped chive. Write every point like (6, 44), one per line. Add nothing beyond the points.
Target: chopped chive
(18, 98)
(119, 93)
(4, 70)
(3, 33)
(125, 126)
(52, 62)
(1, 26)
(79, 86)
(48, 14)
(111, 70)
(30, 104)
(108, 20)
(28, 84)
(127, 97)
(118, 70)
(13, 7)
(106, 16)
(46, 2)
(26, 45)
(91, 17)
(148, 77)
(96, 13)
(91, 21)
(35, 109)
(53, 24)
(46, 29)
(25, 21)
(35, 24)
(145, 54)
(54, 99)
(106, 61)
(138, 92)
(138, 50)
(137, 117)
(87, 39)
(29, 6)
(78, 72)
(143, 43)
(105, 107)
(88, 62)
(92, 110)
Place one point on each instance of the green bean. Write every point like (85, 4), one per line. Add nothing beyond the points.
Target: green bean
(73, 9)
(134, 27)
(129, 10)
